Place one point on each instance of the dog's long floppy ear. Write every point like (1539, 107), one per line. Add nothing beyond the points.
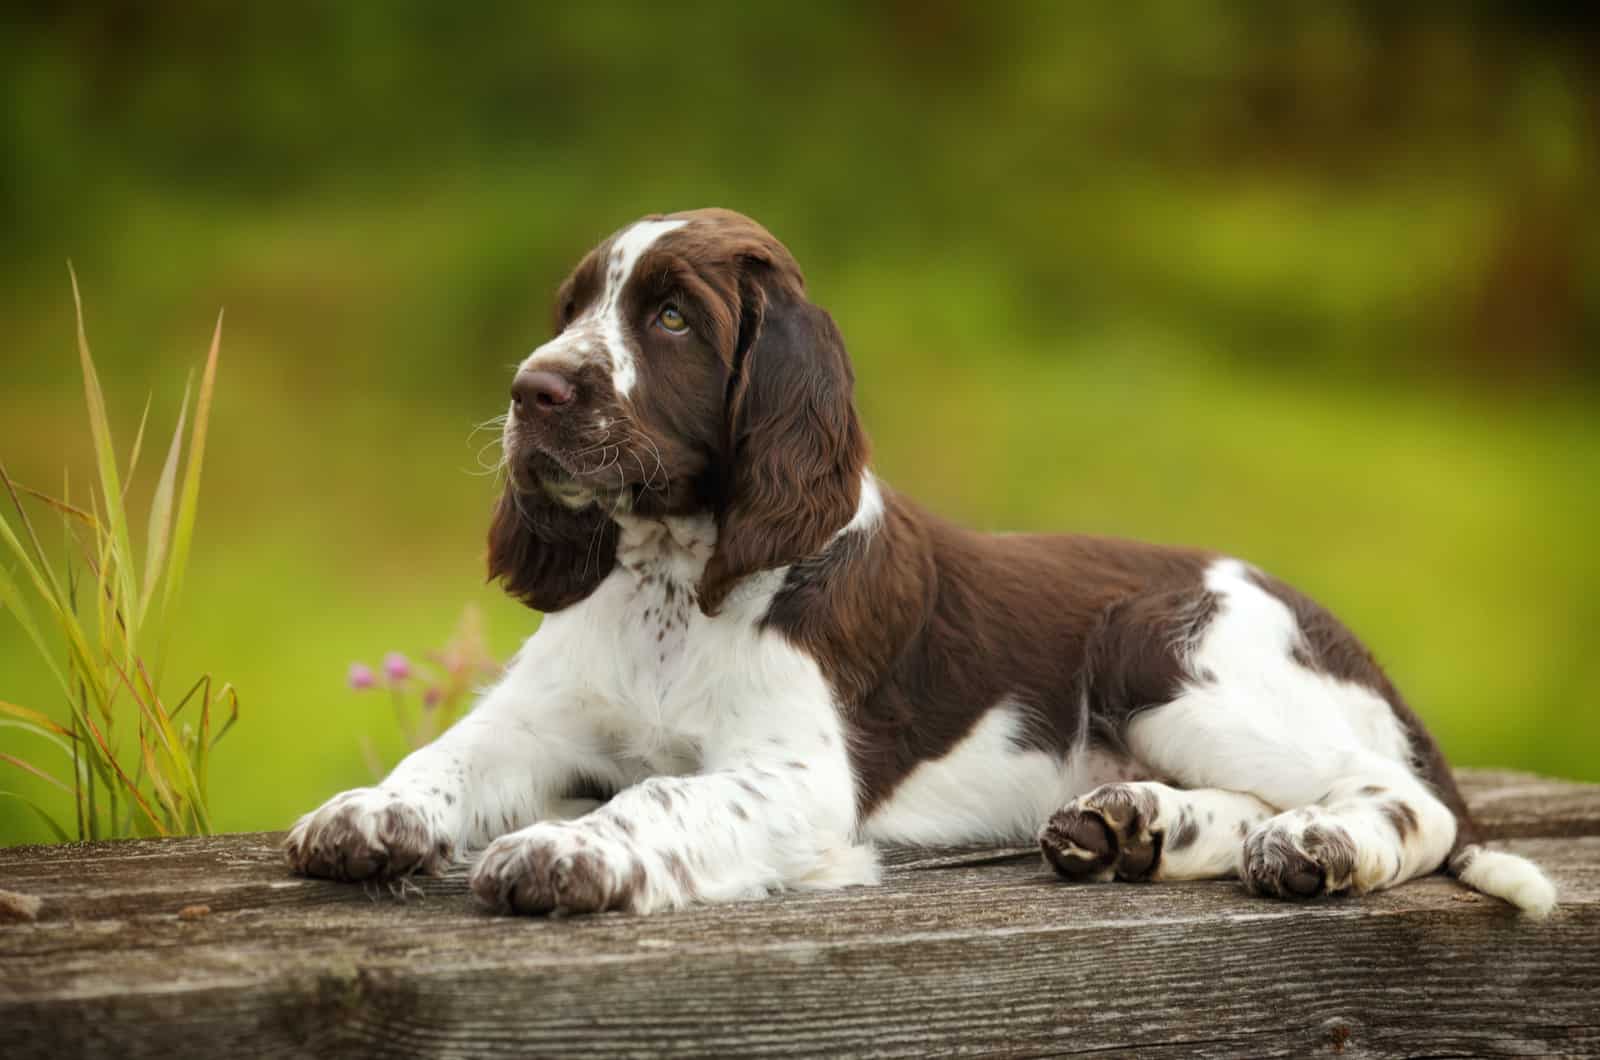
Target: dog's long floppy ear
(546, 554)
(795, 449)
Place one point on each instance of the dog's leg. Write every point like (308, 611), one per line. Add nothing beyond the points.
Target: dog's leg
(779, 818)
(1259, 717)
(1365, 834)
(1360, 837)
(1352, 820)
(1296, 718)
(509, 762)
(1150, 831)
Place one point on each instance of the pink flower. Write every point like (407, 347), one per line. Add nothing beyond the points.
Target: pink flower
(431, 697)
(361, 676)
(396, 666)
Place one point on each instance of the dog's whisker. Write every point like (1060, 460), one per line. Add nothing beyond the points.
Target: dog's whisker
(649, 483)
(489, 467)
(493, 423)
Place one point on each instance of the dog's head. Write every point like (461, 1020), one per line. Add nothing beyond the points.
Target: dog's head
(688, 373)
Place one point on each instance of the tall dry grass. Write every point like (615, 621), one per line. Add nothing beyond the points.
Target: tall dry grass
(101, 617)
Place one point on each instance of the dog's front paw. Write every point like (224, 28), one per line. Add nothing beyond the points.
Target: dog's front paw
(558, 869)
(367, 834)
(1301, 854)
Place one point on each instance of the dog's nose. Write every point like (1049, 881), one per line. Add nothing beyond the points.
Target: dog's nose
(541, 392)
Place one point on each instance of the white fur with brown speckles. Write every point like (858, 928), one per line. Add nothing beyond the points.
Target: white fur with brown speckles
(721, 739)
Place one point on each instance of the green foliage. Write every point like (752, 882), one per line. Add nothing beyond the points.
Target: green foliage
(115, 649)
(1380, 188)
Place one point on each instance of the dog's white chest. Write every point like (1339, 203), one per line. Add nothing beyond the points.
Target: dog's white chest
(655, 632)
(674, 682)
(662, 638)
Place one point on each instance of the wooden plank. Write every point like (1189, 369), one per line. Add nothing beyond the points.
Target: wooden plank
(117, 879)
(956, 952)
(1507, 804)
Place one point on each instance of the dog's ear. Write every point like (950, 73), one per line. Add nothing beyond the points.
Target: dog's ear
(545, 554)
(794, 448)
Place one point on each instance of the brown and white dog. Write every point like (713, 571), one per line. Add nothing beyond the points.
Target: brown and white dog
(757, 659)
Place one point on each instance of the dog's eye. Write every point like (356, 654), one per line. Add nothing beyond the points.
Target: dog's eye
(672, 320)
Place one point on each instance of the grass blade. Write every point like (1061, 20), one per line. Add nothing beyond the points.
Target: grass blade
(189, 502)
(42, 733)
(106, 461)
(161, 512)
(132, 788)
(200, 753)
(59, 505)
(163, 791)
(205, 700)
(35, 770)
(205, 743)
(138, 445)
(232, 695)
(49, 822)
(84, 779)
(180, 770)
(46, 590)
(34, 717)
(33, 536)
(11, 600)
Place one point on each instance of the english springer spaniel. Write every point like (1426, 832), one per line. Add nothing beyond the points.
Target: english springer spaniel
(757, 660)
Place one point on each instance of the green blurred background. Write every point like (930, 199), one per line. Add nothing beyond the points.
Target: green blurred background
(1318, 285)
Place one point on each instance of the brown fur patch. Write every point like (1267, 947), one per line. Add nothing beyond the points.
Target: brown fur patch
(1184, 835)
(545, 554)
(679, 870)
(922, 626)
(1401, 817)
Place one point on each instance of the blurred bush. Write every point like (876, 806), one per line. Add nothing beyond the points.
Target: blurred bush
(1317, 283)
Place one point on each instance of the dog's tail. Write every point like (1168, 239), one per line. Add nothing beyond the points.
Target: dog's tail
(1508, 877)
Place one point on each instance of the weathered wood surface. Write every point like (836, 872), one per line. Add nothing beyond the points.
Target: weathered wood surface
(958, 952)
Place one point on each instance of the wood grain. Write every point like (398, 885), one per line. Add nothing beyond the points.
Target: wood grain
(958, 952)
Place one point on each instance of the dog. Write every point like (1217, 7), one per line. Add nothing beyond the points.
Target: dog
(757, 661)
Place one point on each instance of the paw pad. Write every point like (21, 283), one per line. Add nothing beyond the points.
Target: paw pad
(1102, 835)
(365, 835)
(539, 874)
(1296, 859)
